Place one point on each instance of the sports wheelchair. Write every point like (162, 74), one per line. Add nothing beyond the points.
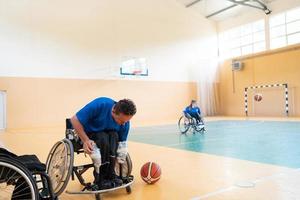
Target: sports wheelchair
(25, 177)
(187, 122)
(72, 144)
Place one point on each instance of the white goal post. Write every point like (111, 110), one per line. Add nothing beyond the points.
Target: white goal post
(285, 85)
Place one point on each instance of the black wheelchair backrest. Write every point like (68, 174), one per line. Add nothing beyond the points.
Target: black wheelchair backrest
(73, 137)
(69, 124)
(31, 162)
(6, 153)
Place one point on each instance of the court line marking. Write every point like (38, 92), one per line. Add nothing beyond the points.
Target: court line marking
(178, 144)
(148, 130)
(259, 180)
(238, 125)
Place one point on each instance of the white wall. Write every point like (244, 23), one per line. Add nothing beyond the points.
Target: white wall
(90, 39)
(276, 6)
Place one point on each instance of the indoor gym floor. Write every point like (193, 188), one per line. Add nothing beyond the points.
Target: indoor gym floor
(232, 152)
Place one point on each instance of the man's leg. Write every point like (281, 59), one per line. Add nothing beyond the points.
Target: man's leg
(198, 119)
(195, 117)
(108, 144)
(102, 141)
(113, 141)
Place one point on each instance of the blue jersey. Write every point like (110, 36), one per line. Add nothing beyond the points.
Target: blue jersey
(96, 117)
(192, 111)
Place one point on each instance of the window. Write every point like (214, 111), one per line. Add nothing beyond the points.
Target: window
(285, 29)
(243, 40)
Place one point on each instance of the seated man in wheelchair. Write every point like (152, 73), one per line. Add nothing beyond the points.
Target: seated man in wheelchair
(193, 111)
(103, 126)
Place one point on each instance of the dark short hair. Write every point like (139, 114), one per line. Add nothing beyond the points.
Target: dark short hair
(125, 106)
(193, 101)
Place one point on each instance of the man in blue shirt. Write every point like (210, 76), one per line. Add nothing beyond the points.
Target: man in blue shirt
(103, 126)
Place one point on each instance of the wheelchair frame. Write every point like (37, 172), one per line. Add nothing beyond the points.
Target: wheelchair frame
(73, 144)
(14, 173)
(183, 127)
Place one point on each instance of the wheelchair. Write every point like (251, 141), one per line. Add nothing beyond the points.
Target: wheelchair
(186, 122)
(25, 177)
(60, 166)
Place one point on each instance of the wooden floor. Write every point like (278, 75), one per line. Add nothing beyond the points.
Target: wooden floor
(185, 175)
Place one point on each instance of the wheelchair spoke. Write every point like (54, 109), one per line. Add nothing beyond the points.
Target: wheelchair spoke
(60, 164)
(12, 177)
(20, 192)
(16, 182)
(2, 170)
(17, 188)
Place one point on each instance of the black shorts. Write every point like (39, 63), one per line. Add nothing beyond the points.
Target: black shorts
(107, 142)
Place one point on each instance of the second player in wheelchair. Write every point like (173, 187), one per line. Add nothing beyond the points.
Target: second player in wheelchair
(102, 126)
(191, 118)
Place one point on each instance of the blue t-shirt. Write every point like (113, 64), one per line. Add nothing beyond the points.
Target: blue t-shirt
(192, 111)
(96, 117)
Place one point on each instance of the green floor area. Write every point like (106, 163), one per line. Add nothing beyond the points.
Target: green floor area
(261, 141)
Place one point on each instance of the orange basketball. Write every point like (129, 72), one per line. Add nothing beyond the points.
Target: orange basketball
(257, 97)
(150, 172)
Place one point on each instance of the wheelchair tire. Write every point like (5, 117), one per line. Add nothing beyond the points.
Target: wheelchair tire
(128, 189)
(126, 167)
(59, 165)
(183, 127)
(16, 181)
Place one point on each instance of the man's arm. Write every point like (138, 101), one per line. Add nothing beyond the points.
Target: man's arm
(199, 111)
(87, 143)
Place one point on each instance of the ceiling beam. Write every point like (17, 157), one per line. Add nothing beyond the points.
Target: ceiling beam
(222, 10)
(192, 3)
(260, 5)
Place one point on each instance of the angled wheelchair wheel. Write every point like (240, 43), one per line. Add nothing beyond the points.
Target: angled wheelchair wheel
(124, 169)
(183, 124)
(16, 181)
(59, 165)
(128, 190)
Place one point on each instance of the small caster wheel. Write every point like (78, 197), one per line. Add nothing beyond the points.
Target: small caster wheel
(128, 189)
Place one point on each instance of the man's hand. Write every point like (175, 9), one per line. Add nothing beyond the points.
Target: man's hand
(87, 143)
(88, 146)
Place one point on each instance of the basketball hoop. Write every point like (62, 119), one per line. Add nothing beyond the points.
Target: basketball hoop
(137, 72)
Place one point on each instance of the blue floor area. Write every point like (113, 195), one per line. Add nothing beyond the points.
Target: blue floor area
(269, 142)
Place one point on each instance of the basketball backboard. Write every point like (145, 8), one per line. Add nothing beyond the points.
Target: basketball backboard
(134, 67)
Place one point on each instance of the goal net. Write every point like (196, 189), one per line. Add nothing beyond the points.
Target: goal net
(267, 100)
